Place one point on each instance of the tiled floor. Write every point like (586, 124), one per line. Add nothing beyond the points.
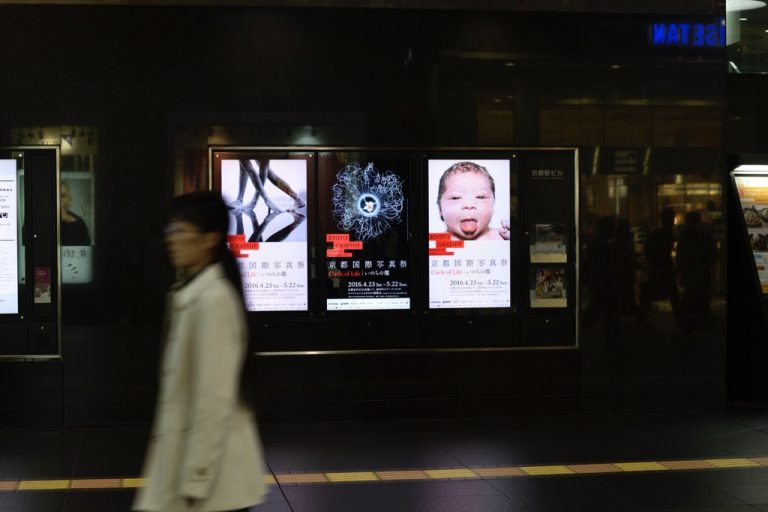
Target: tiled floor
(443, 466)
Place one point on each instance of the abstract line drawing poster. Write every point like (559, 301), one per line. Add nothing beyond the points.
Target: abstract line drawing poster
(267, 201)
(469, 233)
(365, 231)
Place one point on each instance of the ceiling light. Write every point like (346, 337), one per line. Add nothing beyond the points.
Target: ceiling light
(743, 5)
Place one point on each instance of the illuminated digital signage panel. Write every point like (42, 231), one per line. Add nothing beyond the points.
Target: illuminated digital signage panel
(367, 264)
(469, 233)
(9, 267)
(267, 200)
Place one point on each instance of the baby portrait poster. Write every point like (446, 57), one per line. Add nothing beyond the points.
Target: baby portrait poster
(469, 232)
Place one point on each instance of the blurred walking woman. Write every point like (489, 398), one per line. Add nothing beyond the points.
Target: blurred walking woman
(204, 454)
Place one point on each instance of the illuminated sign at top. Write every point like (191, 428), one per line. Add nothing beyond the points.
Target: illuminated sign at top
(693, 35)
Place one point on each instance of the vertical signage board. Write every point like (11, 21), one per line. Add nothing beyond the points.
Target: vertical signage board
(365, 230)
(751, 184)
(268, 205)
(549, 216)
(469, 233)
(30, 280)
(9, 266)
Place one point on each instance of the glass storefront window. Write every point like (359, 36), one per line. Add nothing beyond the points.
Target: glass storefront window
(747, 36)
(638, 200)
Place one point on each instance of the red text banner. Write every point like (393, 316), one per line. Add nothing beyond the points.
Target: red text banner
(341, 244)
(237, 244)
(443, 242)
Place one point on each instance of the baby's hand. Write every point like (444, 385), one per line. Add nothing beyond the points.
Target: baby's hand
(504, 229)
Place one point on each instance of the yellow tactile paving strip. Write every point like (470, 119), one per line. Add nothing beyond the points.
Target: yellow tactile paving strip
(352, 476)
(547, 470)
(443, 474)
(641, 466)
(455, 473)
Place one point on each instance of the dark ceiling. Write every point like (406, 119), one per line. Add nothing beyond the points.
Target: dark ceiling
(703, 7)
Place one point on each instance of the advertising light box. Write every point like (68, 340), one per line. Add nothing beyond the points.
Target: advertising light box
(9, 267)
(367, 262)
(267, 200)
(469, 234)
(76, 228)
(753, 194)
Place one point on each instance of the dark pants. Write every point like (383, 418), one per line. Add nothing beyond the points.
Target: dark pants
(695, 302)
(658, 288)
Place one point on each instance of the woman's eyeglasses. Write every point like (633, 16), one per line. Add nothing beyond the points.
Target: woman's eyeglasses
(172, 229)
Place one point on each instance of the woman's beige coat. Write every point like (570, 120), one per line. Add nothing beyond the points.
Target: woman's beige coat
(204, 443)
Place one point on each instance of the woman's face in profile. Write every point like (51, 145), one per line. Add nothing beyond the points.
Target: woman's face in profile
(467, 205)
(186, 244)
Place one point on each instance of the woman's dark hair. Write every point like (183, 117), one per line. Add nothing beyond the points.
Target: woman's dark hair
(207, 212)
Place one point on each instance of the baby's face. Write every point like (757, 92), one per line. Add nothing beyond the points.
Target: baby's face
(467, 204)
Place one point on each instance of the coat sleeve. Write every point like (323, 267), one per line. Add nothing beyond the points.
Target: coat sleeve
(217, 349)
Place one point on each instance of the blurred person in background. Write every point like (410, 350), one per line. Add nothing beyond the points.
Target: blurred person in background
(696, 254)
(624, 264)
(662, 282)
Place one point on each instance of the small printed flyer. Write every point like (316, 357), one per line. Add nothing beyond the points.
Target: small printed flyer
(42, 285)
(548, 243)
(548, 288)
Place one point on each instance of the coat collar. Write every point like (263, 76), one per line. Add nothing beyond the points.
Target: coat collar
(186, 294)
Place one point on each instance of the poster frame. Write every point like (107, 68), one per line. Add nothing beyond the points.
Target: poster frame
(12, 172)
(412, 175)
(515, 260)
(214, 184)
(419, 218)
(90, 219)
(750, 171)
(24, 316)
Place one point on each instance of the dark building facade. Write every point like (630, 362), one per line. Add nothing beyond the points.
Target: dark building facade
(135, 96)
